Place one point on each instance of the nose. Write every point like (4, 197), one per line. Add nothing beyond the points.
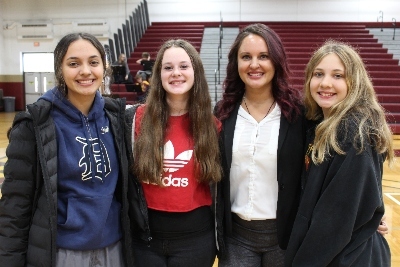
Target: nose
(85, 69)
(326, 82)
(254, 63)
(176, 72)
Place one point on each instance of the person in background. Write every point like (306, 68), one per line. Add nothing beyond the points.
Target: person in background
(124, 77)
(105, 89)
(144, 85)
(147, 66)
(262, 150)
(64, 197)
(343, 165)
(175, 157)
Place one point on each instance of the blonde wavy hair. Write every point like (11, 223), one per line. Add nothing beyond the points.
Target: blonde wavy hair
(360, 107)
(148, 149)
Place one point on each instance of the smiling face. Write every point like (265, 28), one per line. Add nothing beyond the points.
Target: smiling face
(328, 84)
(254, 65)
(177, 74)
(82, 70)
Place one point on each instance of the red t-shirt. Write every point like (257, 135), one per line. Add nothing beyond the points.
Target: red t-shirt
(181, 191)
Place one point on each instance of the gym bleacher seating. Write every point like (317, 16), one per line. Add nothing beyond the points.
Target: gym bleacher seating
(119, 90)
(157, 34)
(300, 40)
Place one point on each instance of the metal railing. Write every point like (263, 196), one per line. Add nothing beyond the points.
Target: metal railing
(216, 88)
(381, 17)
(221, 36)
(218, 70)
(394, 27)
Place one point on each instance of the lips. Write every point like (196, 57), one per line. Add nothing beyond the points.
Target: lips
(85, 82)
(326, 94)
(176, 82)
(258, 74)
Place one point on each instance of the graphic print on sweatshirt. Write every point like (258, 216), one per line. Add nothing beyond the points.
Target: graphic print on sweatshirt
(100, 156)
(172, 164)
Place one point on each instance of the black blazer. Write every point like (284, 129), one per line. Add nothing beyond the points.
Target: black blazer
(290, 161)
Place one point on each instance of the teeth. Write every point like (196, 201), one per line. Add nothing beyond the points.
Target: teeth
(326, 94)
(255, 74)
(86, 82)
(176, 82)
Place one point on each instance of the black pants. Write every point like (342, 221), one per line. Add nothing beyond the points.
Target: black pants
(193, 251)
(253, 244)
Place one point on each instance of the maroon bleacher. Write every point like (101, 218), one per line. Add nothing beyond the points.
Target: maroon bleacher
(119, 90)
(150, 42)
(158, 33)
(302, 38)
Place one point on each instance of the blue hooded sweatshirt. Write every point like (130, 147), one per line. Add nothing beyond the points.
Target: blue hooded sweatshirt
(88, 211)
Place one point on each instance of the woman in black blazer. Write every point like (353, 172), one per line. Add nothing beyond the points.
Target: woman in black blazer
(262, 145)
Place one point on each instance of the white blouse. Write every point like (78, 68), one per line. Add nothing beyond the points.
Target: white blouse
(253, 175)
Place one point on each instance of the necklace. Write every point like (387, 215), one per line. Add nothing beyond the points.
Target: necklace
(248, 111)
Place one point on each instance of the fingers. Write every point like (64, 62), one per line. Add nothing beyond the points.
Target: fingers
(383, 229)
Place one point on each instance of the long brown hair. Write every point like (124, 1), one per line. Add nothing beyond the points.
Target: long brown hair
(148, 147)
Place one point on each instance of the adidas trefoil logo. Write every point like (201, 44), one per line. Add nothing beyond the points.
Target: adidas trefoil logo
(172, 164)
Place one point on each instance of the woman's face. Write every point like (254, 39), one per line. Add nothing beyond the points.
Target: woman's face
(328, 84)
(254, 65)
(82, 70)
(177, 74)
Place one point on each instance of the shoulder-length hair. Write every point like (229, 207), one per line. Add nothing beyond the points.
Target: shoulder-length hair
(148, 148)
(360, 107)
(288, 98)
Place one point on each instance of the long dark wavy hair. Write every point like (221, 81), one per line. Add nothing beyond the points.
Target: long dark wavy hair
(148, 148)
(288, 98)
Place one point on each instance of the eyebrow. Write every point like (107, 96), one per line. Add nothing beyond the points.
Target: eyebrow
(260, 53)
(94, 56)
(178, 62)
(333, 70)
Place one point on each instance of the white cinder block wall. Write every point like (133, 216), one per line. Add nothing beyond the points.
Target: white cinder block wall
(62, 14)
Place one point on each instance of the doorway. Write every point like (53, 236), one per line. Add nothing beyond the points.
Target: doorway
(38, 72)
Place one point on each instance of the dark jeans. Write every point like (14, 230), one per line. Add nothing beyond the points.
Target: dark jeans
(194, 251)
(253, 244)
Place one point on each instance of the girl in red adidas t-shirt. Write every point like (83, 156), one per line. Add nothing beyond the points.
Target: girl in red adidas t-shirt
(175, 159)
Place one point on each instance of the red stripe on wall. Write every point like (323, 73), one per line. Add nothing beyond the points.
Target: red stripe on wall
(15, 89)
